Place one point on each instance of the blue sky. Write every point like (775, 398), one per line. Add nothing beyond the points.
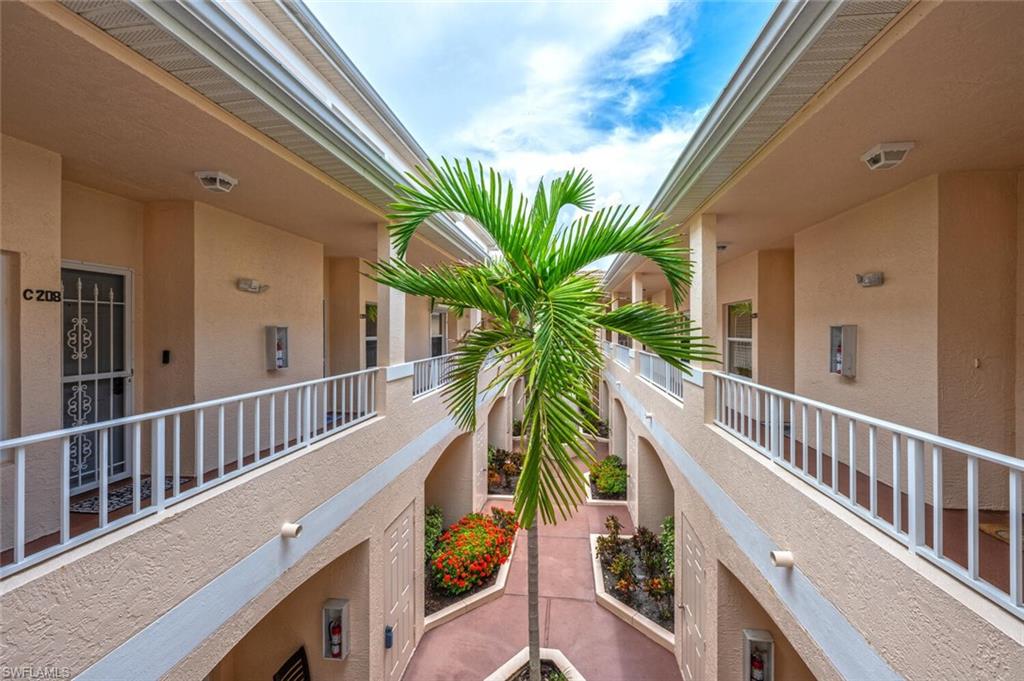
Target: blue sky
(536, 88)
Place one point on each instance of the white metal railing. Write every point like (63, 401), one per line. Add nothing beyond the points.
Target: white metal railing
(432, 373)
(243, 431)
(661, 373)
(622, 355)
(891, 476)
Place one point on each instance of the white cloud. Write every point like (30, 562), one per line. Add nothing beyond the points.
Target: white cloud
(532, 88)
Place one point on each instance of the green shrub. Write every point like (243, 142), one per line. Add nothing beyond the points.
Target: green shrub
(609, 476)
(433, 527)
(668, 546)
(517, 427)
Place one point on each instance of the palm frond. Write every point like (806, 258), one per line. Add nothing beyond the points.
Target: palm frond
(668, 334)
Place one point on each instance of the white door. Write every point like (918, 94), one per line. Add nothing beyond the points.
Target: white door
(96, 366)
(693, 604)
(399, 593)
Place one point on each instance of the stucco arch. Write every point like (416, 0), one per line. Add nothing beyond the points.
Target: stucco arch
(499, 427)
(450, 481)
(655, 495)
(618, 440)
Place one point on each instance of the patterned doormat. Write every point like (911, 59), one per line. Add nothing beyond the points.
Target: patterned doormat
(121, 496)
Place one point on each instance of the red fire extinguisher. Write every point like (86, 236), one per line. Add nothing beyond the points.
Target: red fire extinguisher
(756, 667)
(335, 638)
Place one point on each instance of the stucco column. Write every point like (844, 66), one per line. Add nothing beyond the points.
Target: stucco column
(704, 292)
(615, 306)
(475, 317)
(636, 295)
(390, 310)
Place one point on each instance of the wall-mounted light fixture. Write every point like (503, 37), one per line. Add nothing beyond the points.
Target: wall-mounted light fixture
(886, 155)
(251, 286)
(291, 530)
(869, 279)
(782, 559)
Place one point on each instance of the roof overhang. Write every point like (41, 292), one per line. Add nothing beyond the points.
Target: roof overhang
(802, 48)
(204, 47)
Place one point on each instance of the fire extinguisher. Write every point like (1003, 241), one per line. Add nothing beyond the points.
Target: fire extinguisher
(756, 667)
(335, 638)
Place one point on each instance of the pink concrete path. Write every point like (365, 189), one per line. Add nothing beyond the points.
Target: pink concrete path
(599, 644)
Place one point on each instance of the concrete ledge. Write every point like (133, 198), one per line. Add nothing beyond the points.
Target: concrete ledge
(644, 625)
(473, 602)
(591, 501)
(521, 658)
(397, 371)
(500, 497)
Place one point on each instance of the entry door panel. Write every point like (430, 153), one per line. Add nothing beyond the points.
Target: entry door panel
(399, 592)
(693, 604)
(95, 368)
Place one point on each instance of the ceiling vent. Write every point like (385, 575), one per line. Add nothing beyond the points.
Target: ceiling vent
(216, 181)
(886, 155)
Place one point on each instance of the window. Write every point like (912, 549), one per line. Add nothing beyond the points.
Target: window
(371, 335)
(438, 335)
(739, 341)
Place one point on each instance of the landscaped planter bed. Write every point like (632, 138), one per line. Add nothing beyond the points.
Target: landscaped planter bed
(549, 671)
(503, 468)
(607, 480)
(631, 593)
(469, 567)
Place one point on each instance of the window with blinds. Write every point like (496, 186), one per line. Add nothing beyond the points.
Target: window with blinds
(739, 342)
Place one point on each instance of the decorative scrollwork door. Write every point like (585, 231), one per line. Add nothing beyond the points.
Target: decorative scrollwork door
(96, 368)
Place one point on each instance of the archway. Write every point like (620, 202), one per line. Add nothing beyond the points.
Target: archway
(499, 433)
(618, 430)
(449, 484)
(655, 496)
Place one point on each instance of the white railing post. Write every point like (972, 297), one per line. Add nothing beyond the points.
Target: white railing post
(1016, 559)
(157, 476)
(915, 493)
(777, 425)
(19, 504)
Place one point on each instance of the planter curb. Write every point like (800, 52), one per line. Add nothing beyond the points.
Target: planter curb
(644, 625)
(523, 657)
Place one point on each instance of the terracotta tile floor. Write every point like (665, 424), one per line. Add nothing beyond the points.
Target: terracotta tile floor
(603, 647)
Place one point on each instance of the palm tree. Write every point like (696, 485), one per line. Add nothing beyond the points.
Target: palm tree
(543, 314)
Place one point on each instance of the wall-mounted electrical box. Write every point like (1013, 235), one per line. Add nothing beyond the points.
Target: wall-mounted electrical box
(336, 629)
(277, 348)
(758, 655)
(842, 350)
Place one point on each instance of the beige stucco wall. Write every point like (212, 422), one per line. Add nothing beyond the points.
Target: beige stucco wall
(30, 231)
(417, 328)
(170, 289)
(104, 229)
(297, 622)
(347, 294)
(896, 323)
(230, 350)
(977, 306)
(739, 610)
(450, 484)
(904, 607)
(774, 323)
(655, 498)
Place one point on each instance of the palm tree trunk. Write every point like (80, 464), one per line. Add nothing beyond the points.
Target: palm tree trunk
(533, 590)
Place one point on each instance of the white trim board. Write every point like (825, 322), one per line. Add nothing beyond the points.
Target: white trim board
(160, 646)
(844, 646)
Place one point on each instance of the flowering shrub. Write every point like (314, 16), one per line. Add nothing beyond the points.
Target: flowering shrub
(471, 550)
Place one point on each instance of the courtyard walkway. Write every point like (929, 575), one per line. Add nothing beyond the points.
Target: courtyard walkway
(600, 645)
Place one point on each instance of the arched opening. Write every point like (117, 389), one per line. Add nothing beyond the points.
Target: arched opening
(618, 430)
(602, 399)
(299, 621)
(499, 433)
(655, 497)
(450, 483)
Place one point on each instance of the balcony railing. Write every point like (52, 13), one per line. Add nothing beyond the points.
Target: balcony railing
(431, 374)
(892, 476)
(245, 431)
(661, 373)
(622, 355)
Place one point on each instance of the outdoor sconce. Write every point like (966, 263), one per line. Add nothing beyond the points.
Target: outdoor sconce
(782, 559)
(291, 530)
(869, 279)
(649, 416)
